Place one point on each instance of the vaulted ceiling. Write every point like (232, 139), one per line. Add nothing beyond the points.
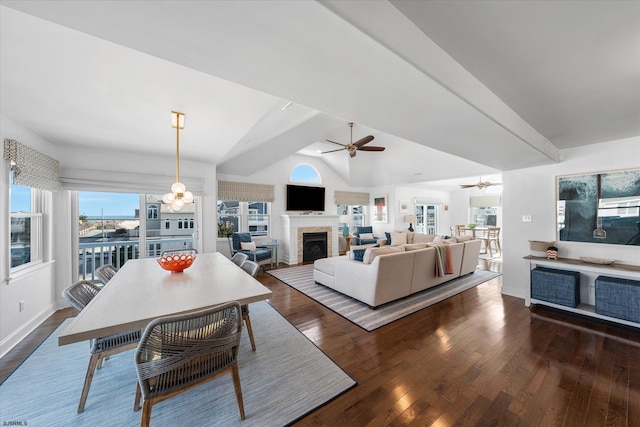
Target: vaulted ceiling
(450, 88)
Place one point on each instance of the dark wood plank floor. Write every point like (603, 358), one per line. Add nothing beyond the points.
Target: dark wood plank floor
(476, 359)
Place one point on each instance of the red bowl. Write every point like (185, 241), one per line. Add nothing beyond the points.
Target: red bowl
(176, 263)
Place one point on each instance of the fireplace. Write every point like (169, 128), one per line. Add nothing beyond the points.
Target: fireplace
(294, 226)
(314, 246)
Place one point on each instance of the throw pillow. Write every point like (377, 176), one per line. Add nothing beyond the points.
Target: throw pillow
(398, 239)
(388, 236)
(366, 236)
(463, 238)
(437, 238)
(248, 246)
(358, 254)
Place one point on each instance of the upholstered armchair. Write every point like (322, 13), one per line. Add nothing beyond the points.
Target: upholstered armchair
(242, 242)
(364, 235)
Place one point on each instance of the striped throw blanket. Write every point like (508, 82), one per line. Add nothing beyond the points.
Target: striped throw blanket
(443, 260)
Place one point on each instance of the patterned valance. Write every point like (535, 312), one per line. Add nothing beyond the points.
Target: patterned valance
(351, 198)
(245, 192)
(30, 167)
(492, 201)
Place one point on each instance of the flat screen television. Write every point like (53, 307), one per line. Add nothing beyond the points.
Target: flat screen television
(305, 198)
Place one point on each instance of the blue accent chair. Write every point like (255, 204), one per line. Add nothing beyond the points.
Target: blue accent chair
(261, 255)
(363, 230)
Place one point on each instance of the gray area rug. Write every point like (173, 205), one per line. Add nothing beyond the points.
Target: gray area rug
(284, 379)
(301, 278)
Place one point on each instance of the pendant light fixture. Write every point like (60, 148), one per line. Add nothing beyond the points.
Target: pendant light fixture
(179, 195)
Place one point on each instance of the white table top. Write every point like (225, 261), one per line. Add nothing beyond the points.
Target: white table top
(142, 291)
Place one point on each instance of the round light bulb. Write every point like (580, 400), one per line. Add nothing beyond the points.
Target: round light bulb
(187, 196)
(168, 198)
(178, 187)
(179, 203)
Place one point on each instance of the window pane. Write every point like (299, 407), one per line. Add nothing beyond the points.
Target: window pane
(20, 198)
(258, 218)
(20, 241)
(304, 173)
(175, 234)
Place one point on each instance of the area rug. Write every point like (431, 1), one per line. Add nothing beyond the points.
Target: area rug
(301, 278)
(284, 379)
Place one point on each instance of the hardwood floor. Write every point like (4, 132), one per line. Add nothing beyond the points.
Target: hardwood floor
(476, 359)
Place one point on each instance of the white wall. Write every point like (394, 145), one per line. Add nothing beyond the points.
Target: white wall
(35, 287)
(533, 192)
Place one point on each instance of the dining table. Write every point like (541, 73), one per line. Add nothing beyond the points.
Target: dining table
(474, 231)
(142, 291)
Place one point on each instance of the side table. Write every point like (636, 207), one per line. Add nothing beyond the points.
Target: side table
(273, 245)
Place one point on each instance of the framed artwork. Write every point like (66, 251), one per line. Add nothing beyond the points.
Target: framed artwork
(404, 207)
(599, 207)
(380, 209)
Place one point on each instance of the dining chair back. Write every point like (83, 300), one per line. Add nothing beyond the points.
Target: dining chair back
(239, 258)
(460, 229)
(251, 268)
(178, 353)
(492, 240)
(79, 295)
(105, 272)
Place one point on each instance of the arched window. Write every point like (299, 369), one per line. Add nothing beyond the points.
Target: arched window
(305, 173)
(152, 212)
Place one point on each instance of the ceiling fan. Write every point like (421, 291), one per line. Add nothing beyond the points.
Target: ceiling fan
(481, 184)
(352, 147)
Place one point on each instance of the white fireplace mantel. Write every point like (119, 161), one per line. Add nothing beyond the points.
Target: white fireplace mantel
(295, 225)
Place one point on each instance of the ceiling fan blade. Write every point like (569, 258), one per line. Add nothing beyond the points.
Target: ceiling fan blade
(333, 142)
(371, 148)
(367, 139)
(468, 185)
(331, 151)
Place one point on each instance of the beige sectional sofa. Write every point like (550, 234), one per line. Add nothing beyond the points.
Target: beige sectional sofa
(389, 273)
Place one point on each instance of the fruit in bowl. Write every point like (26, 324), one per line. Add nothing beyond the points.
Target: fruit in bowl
(177, 261)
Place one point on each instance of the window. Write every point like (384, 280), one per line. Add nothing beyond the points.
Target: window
(305, 173)
(352, 216)
(26, 226)
(180, 223)
(152, 212)
(167, 224)
(252, 217)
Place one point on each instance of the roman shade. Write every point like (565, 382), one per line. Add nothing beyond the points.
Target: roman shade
(245, 192)
(351, 198)
(491, 201)
(30, 167)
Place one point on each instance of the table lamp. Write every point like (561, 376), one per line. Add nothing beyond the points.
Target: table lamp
(410, 219)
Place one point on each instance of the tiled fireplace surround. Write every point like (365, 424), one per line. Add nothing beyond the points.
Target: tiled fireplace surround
(294, 226)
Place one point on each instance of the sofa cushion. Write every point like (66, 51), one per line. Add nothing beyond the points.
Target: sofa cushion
(398, 239)
(326, 265)
(358, 254)
(371, 253)
(463, 238)
(414, 246)
(422, 238)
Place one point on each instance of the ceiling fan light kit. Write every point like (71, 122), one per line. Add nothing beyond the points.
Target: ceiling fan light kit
(480, 184)
(353, 147)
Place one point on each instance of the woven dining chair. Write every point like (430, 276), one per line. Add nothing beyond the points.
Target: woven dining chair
(79, 295)
(239, 258)
(178, 353)
(105, 272)
(251, 268)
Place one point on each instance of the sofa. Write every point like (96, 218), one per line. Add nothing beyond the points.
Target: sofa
(389, 273)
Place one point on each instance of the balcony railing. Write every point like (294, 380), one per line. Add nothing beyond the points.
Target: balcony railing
(116, 252)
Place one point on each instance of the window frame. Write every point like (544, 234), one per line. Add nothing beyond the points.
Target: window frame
(244, 215)
(36, 231)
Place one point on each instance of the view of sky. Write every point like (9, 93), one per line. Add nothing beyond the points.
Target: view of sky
(92, 204)
(20, 199)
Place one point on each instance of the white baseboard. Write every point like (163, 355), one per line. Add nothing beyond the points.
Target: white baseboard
(21, 333)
